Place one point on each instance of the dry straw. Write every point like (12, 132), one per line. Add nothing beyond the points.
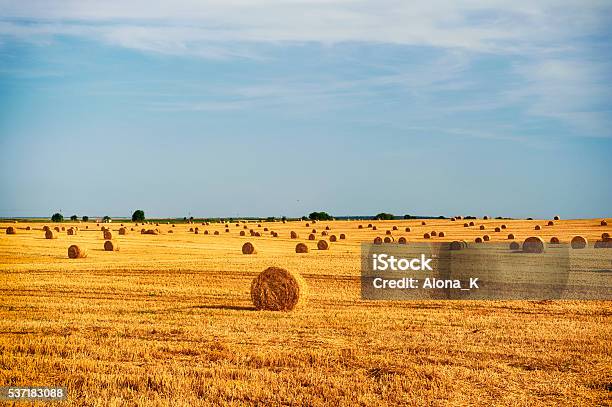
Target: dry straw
(579, 242)
(533, 244)
(111, 246)
(248, 248)
(276, 289)
(76, 252)
(301, 248)
(71, 231)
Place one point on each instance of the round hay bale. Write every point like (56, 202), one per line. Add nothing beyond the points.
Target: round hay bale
(465, 225)
(11, 230)
(550, 223)
(603, 244)
(173, 225)
(276, 289)
(191, 230)
(196, 231)
(423, 223)
(378, 240)
(554, 240)
(216, 232)
(486, 238)
(503, 226)
(266, 230)
(324, 233)
(388, 232)
(308, 225)
(248, 248)
(57, 229)
(274, 234)
(322, 245)
(511, 236)
(455, 245)
(111, 246)
(407, 230)
(453, 219)
(242, 233)
(206, 232)
(603, 222)
(226, 230)
(394, 227)
(482, 227)
(426, 236)
(311, 236)
(373, 227)
(171, 231)
(143, 231)
(50, 234)
(257, 234)
(76, 252)
(497, 229)
(515, 246)
(122, 231)
(71, 232)
(332, 238)
(537, 227)
(605, 235)
(478, 240)
(485, 217)
(327, 228)
(301, 248)
(388, 239)
(342, 236)
(433, 233)
(63, 228)
(402, 240)
(441, 234)
(579, 242)
(28, 228)
(533, 244)
(293, 235)
(557, 217)
(245, 227)
(369, 225)
(360, 227)
(471, 223)
(107, 234)
(314, 231)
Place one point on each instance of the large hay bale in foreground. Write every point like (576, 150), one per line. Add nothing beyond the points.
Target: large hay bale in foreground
(11, 230)
(276, 289)
(605, 235)
(108, 235)
(533, 244)
(111, 246)
(579, 242)
(50, 234)
(322, 245)
(248, 248)
(76, 252)
(301, 248)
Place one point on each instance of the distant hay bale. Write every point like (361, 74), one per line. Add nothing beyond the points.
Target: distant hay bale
(206, 232)
(122, 231)
(511, 236)
(63, 228)
(579, 242)
(314, 231)
(226, 230)
(471, 223)
(276, 289)
(308, 225)
(311, 236)
(50, 234)
(322, 245)
(423, 223)
(216, 232)
(605, 235)
(378, 240)
(76, 252)
(245, 227)
(332, 238)
(533, 244)
(554, 240)
(482, 227)
(402, 240)
(28, 228)
(293, 235)
(45, 228)
(107, 234)
(486, 238)
(342, 236)
(515, 246)
(266, 230)
(426, 236)
(301, 248)
(369, 225)
(441, 234)
(71, 232)
(274, 234)
(550, 223)
(465, 225)
(457, 245)
(603, 222)
(498, 229)
(242, 233)
(374, 228)
(388, 239)
(191, 230)
(111, 246)
(452, 219)
(196, 231)
(433, 233)
(327, 228)
(257, 234)
(324, 233)
(388, 232)
(11, 230)
(143, 231)
(503, 226)
(537, 227)
(173, 225)
(557, 218)
(57, 229)
(171, 231)
(150, 231)
(478, 240)
(407, 230)
(248, 248)
(360, 227)
(394, 227)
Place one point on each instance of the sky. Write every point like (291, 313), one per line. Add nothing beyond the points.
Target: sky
(284, 107)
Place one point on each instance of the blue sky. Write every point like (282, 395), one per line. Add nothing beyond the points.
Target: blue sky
(285, 107)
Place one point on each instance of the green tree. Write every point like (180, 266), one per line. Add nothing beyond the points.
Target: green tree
(138, 216)
(320, 216)
(85, 218)
(384, 216)
(57, 217)
(106, 219)
(73, 218)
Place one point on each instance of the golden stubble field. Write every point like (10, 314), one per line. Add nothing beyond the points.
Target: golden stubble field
(168, 320)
